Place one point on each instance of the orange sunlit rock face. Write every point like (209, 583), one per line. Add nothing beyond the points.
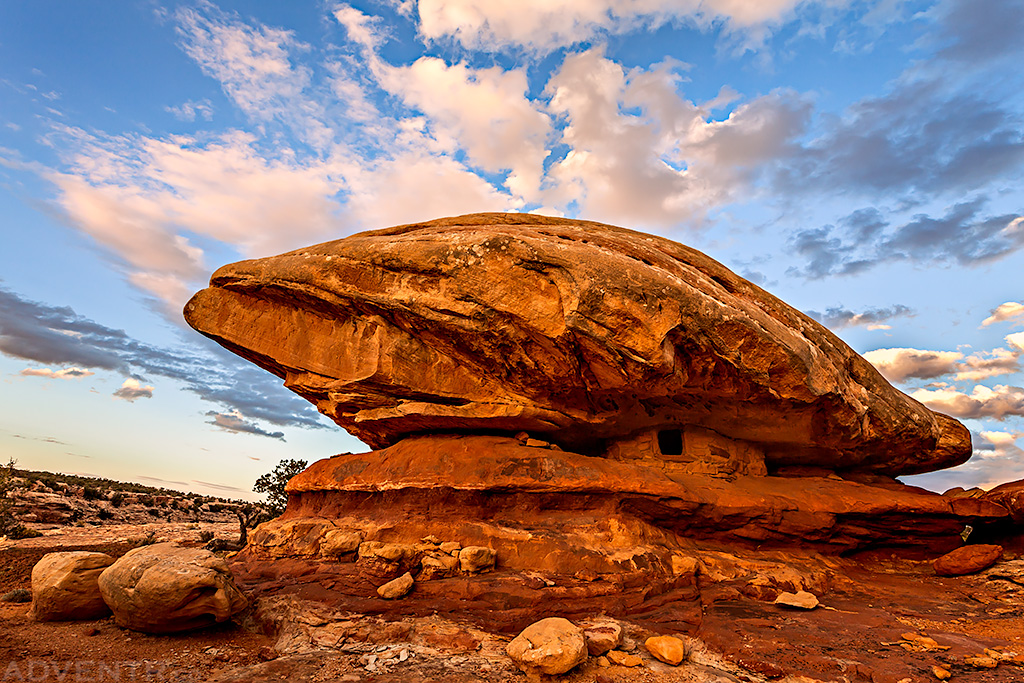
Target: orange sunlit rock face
(582, 333)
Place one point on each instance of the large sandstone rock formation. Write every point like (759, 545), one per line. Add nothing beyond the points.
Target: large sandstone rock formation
(164, 588)
(586, 403)
(603, 340)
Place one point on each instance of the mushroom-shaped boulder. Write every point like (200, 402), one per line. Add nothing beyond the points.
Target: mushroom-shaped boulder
(579, 332)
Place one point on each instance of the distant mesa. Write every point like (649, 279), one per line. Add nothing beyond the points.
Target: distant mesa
(604, 341)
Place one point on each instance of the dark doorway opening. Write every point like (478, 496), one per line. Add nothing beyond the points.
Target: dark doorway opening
(670, 442)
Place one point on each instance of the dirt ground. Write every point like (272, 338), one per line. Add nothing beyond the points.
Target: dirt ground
(858, 636)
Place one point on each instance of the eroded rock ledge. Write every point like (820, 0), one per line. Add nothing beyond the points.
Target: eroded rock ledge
(588, 335)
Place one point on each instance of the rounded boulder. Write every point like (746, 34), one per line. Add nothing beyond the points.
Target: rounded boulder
(64, 586)
(550, 646)
(164, 588)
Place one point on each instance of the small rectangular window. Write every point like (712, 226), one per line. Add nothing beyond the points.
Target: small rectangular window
(670, 442)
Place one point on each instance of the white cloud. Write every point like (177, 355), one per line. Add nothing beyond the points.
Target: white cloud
(640, 153)
(65, 373)
(361, 28)
(544, 25)
(900, 364)
(989, 364)
(133, 389)
(484, 111)
(998, 402)
(145, 199)
(190, 110)
(409, 187)
(1016, 340)
(255, 68)
(997, 459)
(1011, 311)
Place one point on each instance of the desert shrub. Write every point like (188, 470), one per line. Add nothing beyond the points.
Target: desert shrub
(9, 526)
(154, 512)
(206, 536)
(117, 500)
(273, 484)
(146, 500)
(215, 507)
(91, 493)
(17, 595)
(21, 531)
(104, 513)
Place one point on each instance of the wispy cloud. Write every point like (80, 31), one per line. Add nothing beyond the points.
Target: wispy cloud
(543, 25)
(41, 333)
(899, 365)
(998, 402)
(962, 236)
(234, 422)
(190, 110)
(65, 373)
(873, 318)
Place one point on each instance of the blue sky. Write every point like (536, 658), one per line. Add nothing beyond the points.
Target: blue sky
(861, 160)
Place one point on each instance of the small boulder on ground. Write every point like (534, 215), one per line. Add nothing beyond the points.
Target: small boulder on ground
(668, 649)
(550, 646)
(64, 586)
(621, 658)
(396, 588)
(799, 600)
(164, 588)
(967, 560)
(602, 637)
(475, 558)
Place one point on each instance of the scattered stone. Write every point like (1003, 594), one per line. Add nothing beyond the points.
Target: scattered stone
(799, 600)
(396, 588)
(624, 658)
(474, 559)
(668, 649)
(450, 547)
(683, 565)
(967, 560)
(437, 565)
(431, 539)
(340, 542)
(603, 662)
(64, 586)
(91, 631)
(941, 673)
(550, 646)
(162, 588)
(602, 637)
(981, 662)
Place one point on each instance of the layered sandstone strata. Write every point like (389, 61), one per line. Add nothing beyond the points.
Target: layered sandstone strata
(600, 339)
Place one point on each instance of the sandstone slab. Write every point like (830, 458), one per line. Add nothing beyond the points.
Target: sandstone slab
(550, 646)
(967, 560)
(396, 588)
(64, 586)
(582, 334)
(475, 559)
(163, 588)
(798, 600)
